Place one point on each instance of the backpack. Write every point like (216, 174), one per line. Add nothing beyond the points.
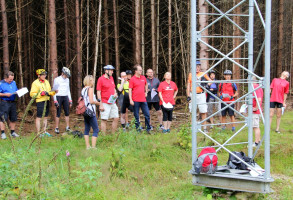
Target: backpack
(234, 163)
(207, 161)
(81, 107)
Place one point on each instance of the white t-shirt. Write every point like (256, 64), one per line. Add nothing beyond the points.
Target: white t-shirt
(85, 96)
(64, 88)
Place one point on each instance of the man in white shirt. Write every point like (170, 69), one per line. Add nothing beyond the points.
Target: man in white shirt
(63, 97)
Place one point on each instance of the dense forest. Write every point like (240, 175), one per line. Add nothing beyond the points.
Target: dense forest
(85, 35)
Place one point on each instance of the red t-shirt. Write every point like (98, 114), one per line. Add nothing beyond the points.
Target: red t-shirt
(167, 91)
(227, 88)
(279, 88)
(259, 95)
(107, 88)
(137, 84)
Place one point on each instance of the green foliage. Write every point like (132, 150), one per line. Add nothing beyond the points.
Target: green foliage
(117, 168)
(184, 137)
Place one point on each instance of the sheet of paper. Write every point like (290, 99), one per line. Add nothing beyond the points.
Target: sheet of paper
(283, 110)
(112, 99)
(153, 94)
(226, 95)
(168, 105)
(21, 92)
(55, 87)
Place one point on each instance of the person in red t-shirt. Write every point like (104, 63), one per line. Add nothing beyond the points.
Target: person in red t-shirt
(227, 92)
(279, 91)
(258, 96)
(106, 90)
(138, 90)
(167, 93)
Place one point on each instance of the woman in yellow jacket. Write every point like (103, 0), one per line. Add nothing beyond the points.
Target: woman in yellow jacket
(42, 90)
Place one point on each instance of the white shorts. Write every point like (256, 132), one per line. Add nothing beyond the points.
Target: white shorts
(255, 120)
(201, 103)
(110, 111)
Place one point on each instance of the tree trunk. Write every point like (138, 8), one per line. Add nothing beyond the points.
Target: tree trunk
(19, 42)
(203, 53)
(137, 32)
(142, 37)
(78, 54)
(116, 33)
(46, 32)
(154, 45)
(280, 38)
(53, 48)
(5, 37)
(66, 34)
(170, 36)
(106, 29)
(236, 42)
(87, 35)
(158, 37)
(291, 65)
(97, 40)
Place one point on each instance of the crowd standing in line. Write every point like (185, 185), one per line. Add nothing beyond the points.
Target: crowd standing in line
(137, 92)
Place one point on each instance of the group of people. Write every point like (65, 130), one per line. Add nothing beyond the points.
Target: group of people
(227, 91)
(136, 92)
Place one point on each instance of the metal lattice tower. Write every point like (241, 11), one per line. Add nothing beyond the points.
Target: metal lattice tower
(228, 180)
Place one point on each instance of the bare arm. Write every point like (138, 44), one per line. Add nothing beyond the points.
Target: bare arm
(91, 96)
(188, 89)
(175, 94)
(285, 98)
(130, 96)
(146, 88)
(121, 87)
(161, 97)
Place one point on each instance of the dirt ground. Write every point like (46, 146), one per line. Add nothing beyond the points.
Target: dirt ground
(181, 115)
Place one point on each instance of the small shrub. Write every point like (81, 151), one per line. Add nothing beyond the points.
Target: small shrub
(117, 168)
(184, 137)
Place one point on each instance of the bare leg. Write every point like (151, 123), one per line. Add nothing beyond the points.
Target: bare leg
(223, 119)
(2, 125)
(126, 116)
(232, 120)
(160, 116)
(94, 141)
(67, 121)
(123, 118)
(203, 116)
(87, 141)
(45, 123)
(104, 126)
(257, 134)
(57, 119)
(279, 115)
(38, 124)
(169, 124)
(114, 125)
(165, 124)
(272, 112)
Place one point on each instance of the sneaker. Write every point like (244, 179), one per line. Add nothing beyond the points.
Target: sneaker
(162, 127)
(255, 144)
(3, 136)
(211, 127)
(124, 129)
(88, 148)
(205, 130)
(223, 127)
(47, 134)
(168, 130)
(67, 129)
(94, 148)
(165, 131)
(127, 125)
(57, 130)
(14, 134)
(152, 128)
(233, 129)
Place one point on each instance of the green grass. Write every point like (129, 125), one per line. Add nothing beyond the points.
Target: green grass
(136, 166)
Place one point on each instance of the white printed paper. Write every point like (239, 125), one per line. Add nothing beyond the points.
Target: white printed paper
(153, 94)
(167, 105)
(243, 108)
(21, 92)
(226, 95)
(283, 110)
(112, 99)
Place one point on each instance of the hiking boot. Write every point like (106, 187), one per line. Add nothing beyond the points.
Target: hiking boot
(57, 130)
(233, 129)
(67, 129)
(3, 136)
(14, 134)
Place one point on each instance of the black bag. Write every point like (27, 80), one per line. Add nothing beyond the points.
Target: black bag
(234, 163)
(88, 112)
(77, 134)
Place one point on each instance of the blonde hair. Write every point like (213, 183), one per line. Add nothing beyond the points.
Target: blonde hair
(167, 73)
(87, 81)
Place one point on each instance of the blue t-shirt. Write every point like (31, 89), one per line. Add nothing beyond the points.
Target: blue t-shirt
(8, 88)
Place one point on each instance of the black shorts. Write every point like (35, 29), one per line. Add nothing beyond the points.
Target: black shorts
(274, 104)
(156, 105)
(63, 102)
(227, 110)
(8, 111)
(40, 108)
(167, 114)
(125, 105)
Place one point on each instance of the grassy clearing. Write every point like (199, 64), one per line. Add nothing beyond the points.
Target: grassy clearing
(136, 166)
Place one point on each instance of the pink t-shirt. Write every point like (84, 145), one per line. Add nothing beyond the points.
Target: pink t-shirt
(259, 95)
(137, 84)
(107, 88)
(167, 91)
(279, 88)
